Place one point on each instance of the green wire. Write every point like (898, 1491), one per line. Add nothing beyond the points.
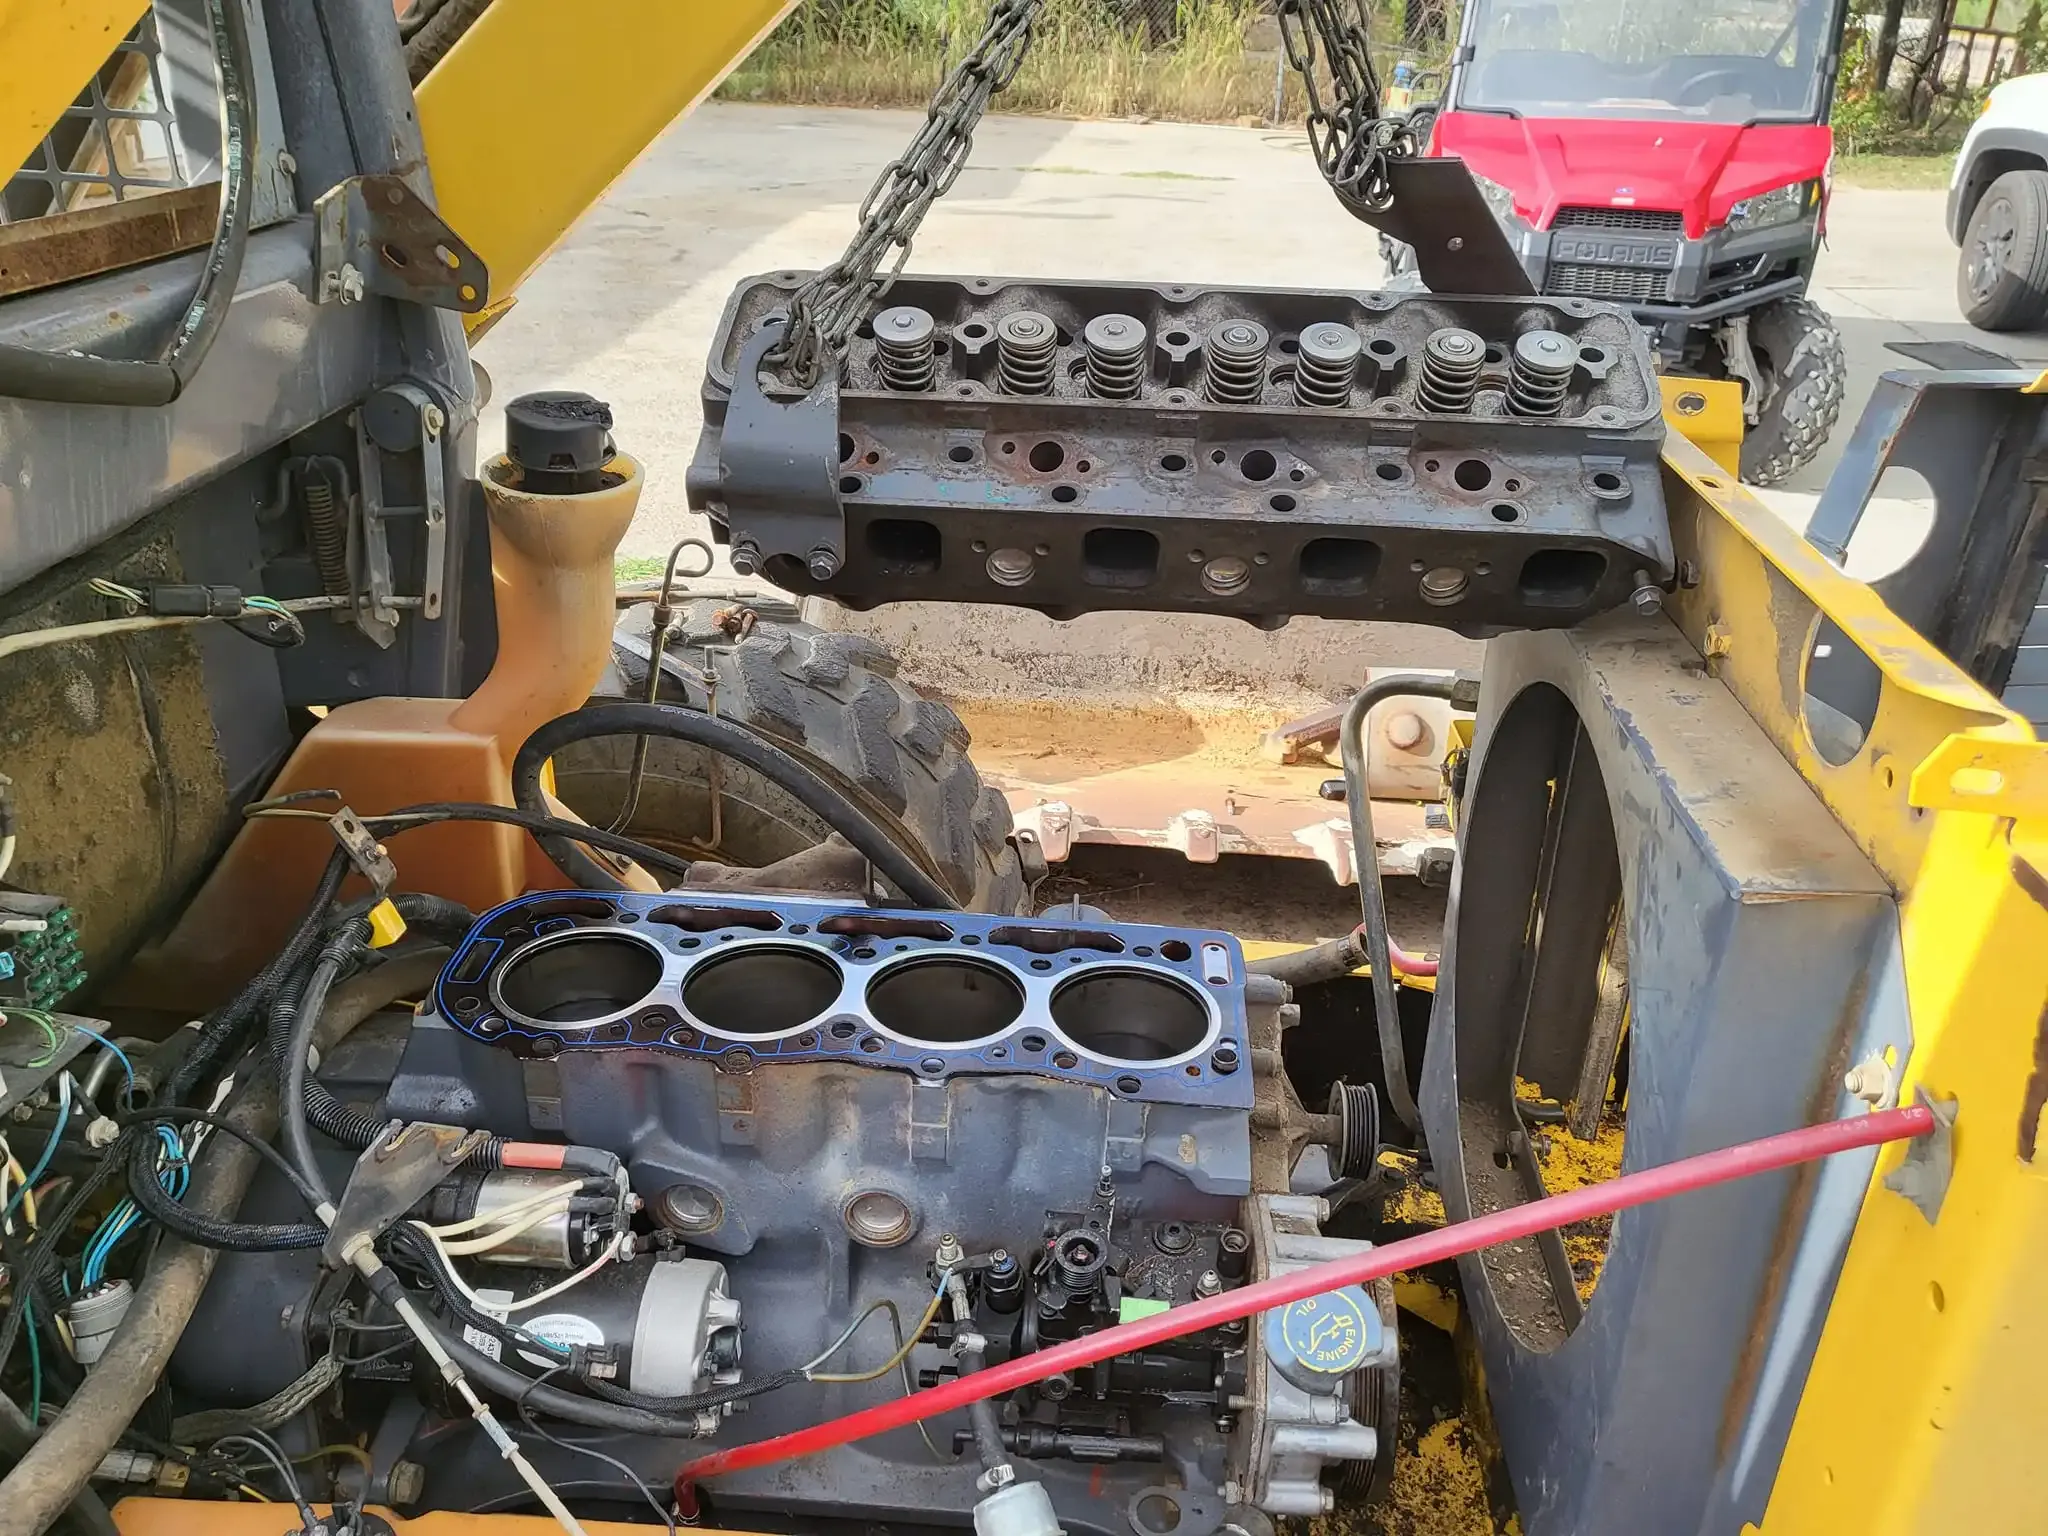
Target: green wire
(35, 1366)
(47, 1025)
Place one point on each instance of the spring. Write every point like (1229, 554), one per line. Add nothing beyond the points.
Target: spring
(1451, 360)
(1326, 365)
(326, 524)
(1116, 356)
(1540, 373)
(904, 348)
(1025, 343)
(1237, 363)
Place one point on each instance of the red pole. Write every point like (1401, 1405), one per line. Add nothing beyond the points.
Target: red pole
(1709, 1168)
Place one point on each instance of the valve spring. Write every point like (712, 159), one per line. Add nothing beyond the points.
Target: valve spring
(1237, 363)
(1540, 373)
(1078, 1259)
(1116, 356)
(905, 348)
(1326, 366)
(1025, 343)
(1451, 361)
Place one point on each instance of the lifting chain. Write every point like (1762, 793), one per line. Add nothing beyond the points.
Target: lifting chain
(1352, 142)
(824, 312)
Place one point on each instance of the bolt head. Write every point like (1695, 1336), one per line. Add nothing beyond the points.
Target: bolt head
(746, 557)
(407, 1481)
(823, 562)
(1647, 601)
(432, 419)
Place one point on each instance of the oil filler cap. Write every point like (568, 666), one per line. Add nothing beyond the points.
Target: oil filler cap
(1318, 1341)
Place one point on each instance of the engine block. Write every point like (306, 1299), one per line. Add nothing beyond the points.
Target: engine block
(1475, 463)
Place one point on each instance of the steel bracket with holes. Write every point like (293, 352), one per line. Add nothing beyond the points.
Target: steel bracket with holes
(378, 236)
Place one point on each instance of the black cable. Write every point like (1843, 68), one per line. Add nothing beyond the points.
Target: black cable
(280, 1463)
(29, 373)
(1372, 896)
(226, 1026)
(526, 1415)
(208, 1231)
(260, 1147)
(391, 823)
(904, 867)
(407, 1242)
(342, 949)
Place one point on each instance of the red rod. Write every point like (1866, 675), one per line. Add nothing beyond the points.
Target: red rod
(1407, 964)
(1709, 1168)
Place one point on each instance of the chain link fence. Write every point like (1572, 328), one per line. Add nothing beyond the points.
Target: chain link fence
(1193, 60)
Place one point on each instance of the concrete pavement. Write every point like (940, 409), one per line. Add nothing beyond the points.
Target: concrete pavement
(626, 306)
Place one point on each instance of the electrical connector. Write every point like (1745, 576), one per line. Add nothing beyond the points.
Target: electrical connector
(174, 600)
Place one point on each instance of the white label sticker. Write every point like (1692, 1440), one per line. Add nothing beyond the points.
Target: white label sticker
(567, 1329)
(486, 1344)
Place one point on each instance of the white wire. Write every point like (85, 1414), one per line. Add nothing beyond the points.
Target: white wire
(553, 1194)
(507, 1308)
(498, 1237)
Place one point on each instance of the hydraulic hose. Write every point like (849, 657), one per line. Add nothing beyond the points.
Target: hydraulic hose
(1691, 1173)
(29, 373)
(901, 866)
(1372, 897)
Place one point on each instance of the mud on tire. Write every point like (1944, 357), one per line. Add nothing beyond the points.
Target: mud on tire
(832, 700)
(1799, 352)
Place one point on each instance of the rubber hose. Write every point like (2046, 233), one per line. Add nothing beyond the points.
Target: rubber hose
(898, 865)
(1319, 962)
(86, 1514)
(1372, 896)
(62, 1461)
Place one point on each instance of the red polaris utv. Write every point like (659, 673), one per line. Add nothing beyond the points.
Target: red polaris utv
(1672, 156)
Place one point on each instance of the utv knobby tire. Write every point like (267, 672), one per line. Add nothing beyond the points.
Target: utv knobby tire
(1798, 349)
(2002, 277)
(832, 700)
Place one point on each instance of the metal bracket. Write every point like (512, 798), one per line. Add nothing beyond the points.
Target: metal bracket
(1459, 245)
(1929, 1162)
(378, 236)
(399, 419)
(778, 468)
(368, 855)
(390, 1177)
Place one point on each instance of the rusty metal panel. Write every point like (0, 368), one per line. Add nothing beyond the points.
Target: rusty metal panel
(66, 246)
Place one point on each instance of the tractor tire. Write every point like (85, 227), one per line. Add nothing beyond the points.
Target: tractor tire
(2002, 278)
(1799, 352)
(832, 700)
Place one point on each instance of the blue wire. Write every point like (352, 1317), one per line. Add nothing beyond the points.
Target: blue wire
(127, 1066)
(174, 1175)
(42, 1166)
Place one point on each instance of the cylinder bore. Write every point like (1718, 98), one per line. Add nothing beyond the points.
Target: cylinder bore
(761, 990)
(1130, 1015)
(945, 1000)
(578, 977)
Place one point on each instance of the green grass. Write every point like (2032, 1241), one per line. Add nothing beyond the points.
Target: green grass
(637, 567)
(1893, 171)
(1085, 60)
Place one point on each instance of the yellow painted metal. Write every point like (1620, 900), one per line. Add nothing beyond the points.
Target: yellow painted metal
(2039, 386)
(1921, 1411)
(49, 49)
(543, 105)
(1709, 413)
